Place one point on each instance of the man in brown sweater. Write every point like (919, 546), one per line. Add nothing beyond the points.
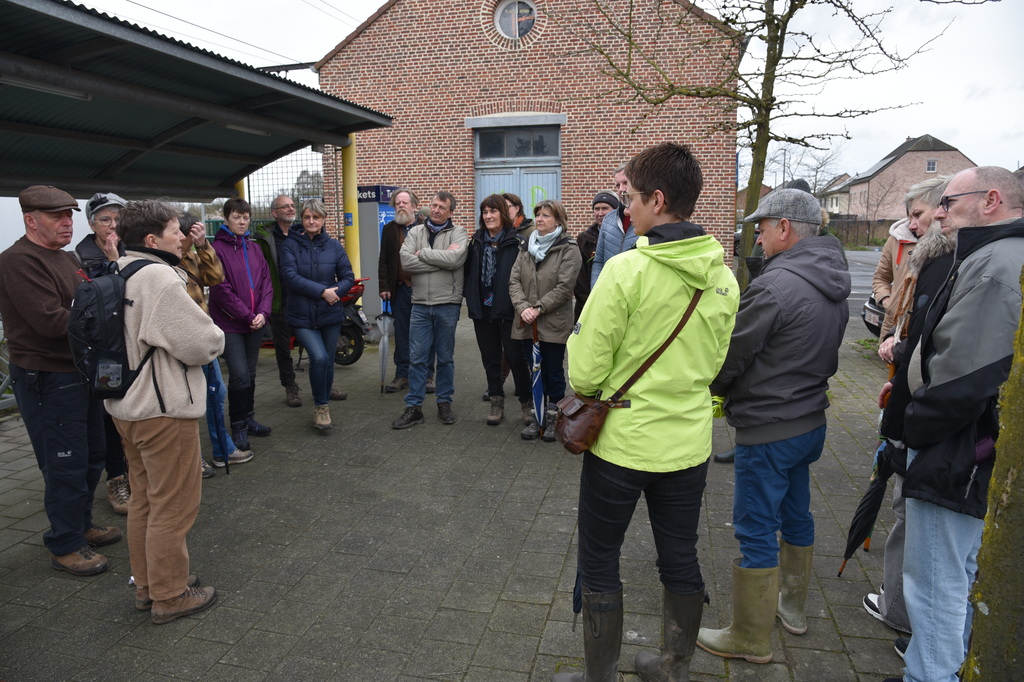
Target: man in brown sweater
(37, 283)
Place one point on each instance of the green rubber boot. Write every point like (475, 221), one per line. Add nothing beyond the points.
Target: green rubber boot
(681, 620)
(602, 638)
(794, 576)
(755, 597)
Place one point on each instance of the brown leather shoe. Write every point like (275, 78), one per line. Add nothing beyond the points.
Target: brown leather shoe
(119, 493)
(338, 395)
(83, 561)
(397, 384)
(192, 600)
(291, 395)
(98, 536)
(144, 603)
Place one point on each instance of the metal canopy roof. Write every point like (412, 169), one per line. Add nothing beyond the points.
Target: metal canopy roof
(89, 102)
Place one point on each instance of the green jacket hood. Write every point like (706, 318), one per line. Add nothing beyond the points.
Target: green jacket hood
(695, 260)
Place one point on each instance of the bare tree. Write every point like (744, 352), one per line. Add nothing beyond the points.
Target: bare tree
(783, 64)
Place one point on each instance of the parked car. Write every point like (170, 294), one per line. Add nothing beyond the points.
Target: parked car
(872, 314)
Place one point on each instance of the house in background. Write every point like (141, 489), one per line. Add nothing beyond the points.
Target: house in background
(834, 200)
(500, 95)
(877, 194)
(741, 201)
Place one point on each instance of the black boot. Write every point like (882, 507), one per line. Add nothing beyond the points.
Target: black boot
(238, 408)
(727, 457)
(602, 638)
(240, 435)
(681, 621)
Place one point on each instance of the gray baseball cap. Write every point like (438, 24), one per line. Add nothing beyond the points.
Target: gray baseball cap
(793, 204)
(101, 200)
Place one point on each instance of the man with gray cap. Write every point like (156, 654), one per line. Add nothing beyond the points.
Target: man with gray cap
(38, 280)
(603, 204)
(784, 349)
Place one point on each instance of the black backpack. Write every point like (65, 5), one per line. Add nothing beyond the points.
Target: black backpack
(96, 332)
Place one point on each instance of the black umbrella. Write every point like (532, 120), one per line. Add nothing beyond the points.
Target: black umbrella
(863, 523)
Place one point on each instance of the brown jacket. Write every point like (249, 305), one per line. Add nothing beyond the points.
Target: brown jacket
(549, 285)
(204, 270)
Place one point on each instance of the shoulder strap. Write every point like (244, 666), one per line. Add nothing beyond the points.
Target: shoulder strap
(654, 356)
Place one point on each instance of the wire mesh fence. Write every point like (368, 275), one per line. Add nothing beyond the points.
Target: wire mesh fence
(299, 175)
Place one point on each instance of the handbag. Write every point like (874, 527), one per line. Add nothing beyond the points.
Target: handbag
(580, 418)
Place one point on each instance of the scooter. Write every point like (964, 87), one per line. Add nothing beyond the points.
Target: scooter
(354, 327)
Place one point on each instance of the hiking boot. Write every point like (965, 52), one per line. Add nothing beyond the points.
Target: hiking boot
(192, 600)
(118, 494)
(208, 470)
(236, 457)
(431, 385)
(527, 409)
(256, 429)
(497, 412)
(397, 384)
(291, 395)
(532, 429)
(239, 436)
(338, 395)
(444, 413)
(83, 561)
(550, 415)
(413, 415)
(144, 603)
(321, 417)
(98, 536)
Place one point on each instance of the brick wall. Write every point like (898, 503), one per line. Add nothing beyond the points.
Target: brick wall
(881, 198)
(430, 65)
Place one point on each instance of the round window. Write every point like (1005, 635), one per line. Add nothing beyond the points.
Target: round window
(515, 18)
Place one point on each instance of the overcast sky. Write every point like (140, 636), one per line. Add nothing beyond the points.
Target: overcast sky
(968, 85)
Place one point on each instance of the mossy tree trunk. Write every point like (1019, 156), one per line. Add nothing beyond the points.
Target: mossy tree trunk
(998, 631)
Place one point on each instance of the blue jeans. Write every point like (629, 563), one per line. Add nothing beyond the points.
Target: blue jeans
(220, 439)
(432, 327)
(65, 426)
(320, 344)
(608, 497)
(940, 560)
(773, 493)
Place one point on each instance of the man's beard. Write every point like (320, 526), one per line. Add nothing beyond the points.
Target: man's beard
(403, 216)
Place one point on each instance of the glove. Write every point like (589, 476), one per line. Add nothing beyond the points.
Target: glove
(717, 406)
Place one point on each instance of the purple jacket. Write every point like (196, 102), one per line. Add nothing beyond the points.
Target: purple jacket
(247, 289)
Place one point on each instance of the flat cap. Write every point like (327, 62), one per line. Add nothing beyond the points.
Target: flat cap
(101, 200)
(792, 204)
(46, 198)
(605, 198)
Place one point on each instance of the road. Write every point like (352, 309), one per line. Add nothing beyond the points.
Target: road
(862, 269)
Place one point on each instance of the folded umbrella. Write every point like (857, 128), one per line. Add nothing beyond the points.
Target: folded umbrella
(385, 321)
(537, 384)
(863, 522)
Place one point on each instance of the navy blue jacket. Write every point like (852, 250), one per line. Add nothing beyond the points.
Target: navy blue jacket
(508, 251)
(308, 266)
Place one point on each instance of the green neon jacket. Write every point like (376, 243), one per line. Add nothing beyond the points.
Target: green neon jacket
(632, 309)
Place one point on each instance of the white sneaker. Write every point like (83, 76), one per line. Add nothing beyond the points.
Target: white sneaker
(871, 605)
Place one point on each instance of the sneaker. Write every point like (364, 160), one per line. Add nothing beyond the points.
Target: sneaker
(98, 536)
(239, 436)
(413, 415)
(322, 417)
(192, 600)
(397, 384)
(486, 397)
(900, 645)
(236, 457)
(550, 415)
(444, 413)
(144, 603)
(291, 395)
(431, 386)
(208, 470)
(338, 395)
(871, 606)
(83, 561)
(118, 494)
(256, 429)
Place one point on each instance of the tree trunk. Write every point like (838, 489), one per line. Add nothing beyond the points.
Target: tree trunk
(996, 651)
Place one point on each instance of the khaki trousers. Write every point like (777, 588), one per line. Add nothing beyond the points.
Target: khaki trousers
(166, 482)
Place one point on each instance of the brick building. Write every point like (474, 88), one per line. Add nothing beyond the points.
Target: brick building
(487, 96)
(877, 194)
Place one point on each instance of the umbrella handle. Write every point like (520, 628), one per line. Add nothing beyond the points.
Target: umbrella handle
(386, 307)
(534, 325)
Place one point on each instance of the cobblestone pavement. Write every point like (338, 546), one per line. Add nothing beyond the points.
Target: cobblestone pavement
(434, 553)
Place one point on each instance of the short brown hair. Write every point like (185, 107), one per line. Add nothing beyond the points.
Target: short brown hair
(671, 168)
(140, 218)
(557, 210)
(237, 205)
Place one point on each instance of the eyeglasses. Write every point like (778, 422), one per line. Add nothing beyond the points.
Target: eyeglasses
(627, 197)
(106, 220)
(278, 208)
(944, 202)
